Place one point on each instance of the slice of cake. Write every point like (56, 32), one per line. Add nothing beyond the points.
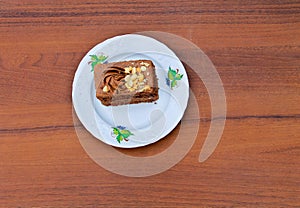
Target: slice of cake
(126, 82)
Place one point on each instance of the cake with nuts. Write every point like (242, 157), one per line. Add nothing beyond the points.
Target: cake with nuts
(126, 82)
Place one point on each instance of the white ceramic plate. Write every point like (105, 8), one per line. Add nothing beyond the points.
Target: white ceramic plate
(134, 125)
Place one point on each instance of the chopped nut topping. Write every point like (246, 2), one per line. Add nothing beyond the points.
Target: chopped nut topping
(127, 78)
(128, 87)
(128, 69)
(147, 87)
(130, 83)
(145, 64)
(133, 70)
(135, 81)
(141, 77)
(133, 77)
(105, 89)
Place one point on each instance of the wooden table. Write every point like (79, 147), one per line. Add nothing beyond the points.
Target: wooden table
(254, 45)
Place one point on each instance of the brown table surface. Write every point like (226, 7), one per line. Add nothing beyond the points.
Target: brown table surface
(254, 45)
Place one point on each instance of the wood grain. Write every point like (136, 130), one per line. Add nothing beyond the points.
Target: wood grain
(255, 47)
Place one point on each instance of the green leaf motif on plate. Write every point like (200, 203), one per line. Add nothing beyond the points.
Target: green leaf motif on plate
(173, 77)
(97, 60)
(121, 133)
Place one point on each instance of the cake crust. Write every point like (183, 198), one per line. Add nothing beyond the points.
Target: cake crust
(126, 82)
